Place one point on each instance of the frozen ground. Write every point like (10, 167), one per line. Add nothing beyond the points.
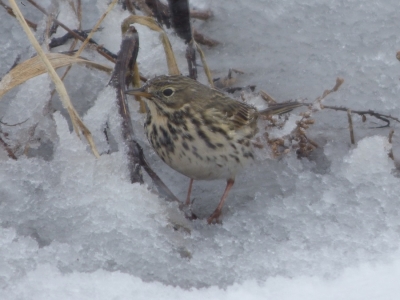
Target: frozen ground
(328, 227)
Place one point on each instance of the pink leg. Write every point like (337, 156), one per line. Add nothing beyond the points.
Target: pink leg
(217, 212)
(188, 202)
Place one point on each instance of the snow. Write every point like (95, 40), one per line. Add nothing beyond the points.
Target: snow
(323, 227)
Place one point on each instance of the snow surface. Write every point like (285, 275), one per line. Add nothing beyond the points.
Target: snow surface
(327, 227)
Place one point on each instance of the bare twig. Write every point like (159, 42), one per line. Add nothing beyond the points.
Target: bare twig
(390, 141)
(79, 13)
(11, 13)
(201, 39)
(8, 149)
(339, 82)
(12, 125)
(269, 99)
(351, 127)
(391, 136)
(55, 42)
(383, 117)
(201, 14)
(362, 113)
(128, 52)
(191, 60)
(51, 25)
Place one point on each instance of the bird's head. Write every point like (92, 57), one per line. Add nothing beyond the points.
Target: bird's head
(170, 91)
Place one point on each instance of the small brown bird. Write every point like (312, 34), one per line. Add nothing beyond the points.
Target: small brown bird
(199, 131)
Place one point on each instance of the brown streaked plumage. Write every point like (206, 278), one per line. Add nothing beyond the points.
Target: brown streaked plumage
(199, 131)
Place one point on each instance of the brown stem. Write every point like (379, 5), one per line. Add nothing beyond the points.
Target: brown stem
(201, 14)
(201, 39)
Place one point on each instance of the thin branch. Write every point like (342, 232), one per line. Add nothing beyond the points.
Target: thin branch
(268, 98)
(339, 82)
(201, 39)
(201, 14)
(128, 53)
(390, 141)
(383, 117)
(362, 113)
(12, 125)
(351, 127)
(8, 149)
(11, 13)
(191, 60)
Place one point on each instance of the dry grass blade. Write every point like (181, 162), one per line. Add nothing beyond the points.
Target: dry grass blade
(76, 121)
(34, 67)
(136, 84)
(171, 62)
(110, 7)
(205, 66)
(152, 24)
(339, 82)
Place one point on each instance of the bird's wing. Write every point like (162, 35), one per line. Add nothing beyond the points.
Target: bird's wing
(231, 115)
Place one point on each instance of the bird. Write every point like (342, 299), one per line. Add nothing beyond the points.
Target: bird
(199, 131)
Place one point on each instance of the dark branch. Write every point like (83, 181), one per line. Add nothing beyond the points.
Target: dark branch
(127, 54)
(382, 117)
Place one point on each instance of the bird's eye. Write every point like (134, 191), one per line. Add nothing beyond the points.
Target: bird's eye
(168, 92)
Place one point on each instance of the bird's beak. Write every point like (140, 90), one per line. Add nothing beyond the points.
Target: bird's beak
(139, 92)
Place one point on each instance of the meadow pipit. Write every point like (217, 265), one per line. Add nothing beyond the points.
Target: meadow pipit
(199, 131)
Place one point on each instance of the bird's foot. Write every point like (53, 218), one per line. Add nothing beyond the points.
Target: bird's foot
(214, 217)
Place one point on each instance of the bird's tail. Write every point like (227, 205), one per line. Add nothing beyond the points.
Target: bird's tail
(281, 108)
